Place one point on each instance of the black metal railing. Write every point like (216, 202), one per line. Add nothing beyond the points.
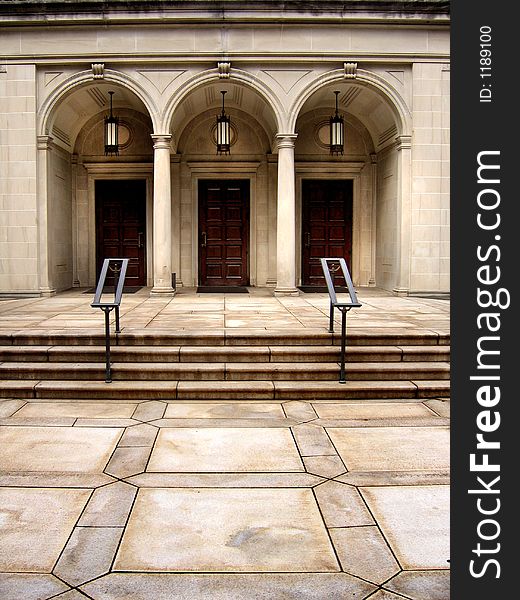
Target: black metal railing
(116, 267)
(330, 267)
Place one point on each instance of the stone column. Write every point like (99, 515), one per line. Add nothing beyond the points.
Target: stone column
(44, 260)
(75, 221)
(373, 223)
(176, 216)
(162, 218)
(286, 219)
(404, 214)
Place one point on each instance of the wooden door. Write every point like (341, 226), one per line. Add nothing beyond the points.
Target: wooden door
(326, 226)
(121, 226)
(223, 233)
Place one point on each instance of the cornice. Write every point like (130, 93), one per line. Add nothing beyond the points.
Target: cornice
(57, 12)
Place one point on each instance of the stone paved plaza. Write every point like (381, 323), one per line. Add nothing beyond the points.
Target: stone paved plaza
(217, 500)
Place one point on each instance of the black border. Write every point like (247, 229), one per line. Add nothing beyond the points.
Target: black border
(475, 127)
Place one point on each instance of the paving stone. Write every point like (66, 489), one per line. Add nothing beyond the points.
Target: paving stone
(225, 530)
(325, 466)
(363, 552)
(88, 554)
(432, 421)
(51, 479)
(36, 523)
(302, 411)
(422, 585)
(105, 423)
(440, 406)
(109, 506)
(415, 521)
(313, 441)
(101, 410)
(148, 411)
(225, 449)
(341, 505)
(392, 448)
(384, 478)
(16, 421)
(255, 423)
(72, 595)
(9, 407)
(139, 435)
(29, 586)
(84, 450)
(378, 410)
(385, 595)
(224, 410)
(272, 586)
(225, 480)
(128, 461)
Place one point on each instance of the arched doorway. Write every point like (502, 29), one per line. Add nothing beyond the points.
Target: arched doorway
(347, 204)
(224, 204)
(99, 206)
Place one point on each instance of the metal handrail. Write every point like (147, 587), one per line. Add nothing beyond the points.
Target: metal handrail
(330, 266)
(117, 266)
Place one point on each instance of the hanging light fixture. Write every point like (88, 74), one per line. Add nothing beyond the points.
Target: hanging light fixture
(337, 131)
(223, 130)
(111, 132)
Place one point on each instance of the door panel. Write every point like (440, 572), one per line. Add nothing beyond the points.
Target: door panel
(223, 233)
(326, 226)
(121, 226)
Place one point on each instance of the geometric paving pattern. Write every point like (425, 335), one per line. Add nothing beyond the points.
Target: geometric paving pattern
(107, 502)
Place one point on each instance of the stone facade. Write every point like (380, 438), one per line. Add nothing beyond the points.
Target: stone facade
(279, 63)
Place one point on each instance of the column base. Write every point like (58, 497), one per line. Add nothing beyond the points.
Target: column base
(400, 291)
(286, 291)
(46, 292)
(162, 292)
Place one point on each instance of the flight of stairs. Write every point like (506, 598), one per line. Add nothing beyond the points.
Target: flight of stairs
(282, 365)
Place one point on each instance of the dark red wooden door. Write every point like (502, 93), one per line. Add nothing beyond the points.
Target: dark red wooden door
(326, 226)
(223, 233)
(121, 226)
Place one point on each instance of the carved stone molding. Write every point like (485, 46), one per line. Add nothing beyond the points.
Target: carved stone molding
(98, 70)
(350, 70)
(403, 142)
(44, 142)
(286, 140)
(223, 70)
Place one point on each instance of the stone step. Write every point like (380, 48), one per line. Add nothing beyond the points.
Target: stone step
(255, 371)
(224, 390)
(382, 336)
(226, 354)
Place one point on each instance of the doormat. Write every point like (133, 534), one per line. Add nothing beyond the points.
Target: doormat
(109, 289)
(222, 289)
(318, 289)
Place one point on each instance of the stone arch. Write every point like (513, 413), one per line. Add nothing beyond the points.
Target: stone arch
(237, 75)
(51, 104)
(383, 88)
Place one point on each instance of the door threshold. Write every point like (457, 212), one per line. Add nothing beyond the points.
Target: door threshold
(222, 289)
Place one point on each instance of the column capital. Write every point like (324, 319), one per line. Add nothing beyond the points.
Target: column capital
(161, 141)
(286, 140)
(404, 142)
(44, 142)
